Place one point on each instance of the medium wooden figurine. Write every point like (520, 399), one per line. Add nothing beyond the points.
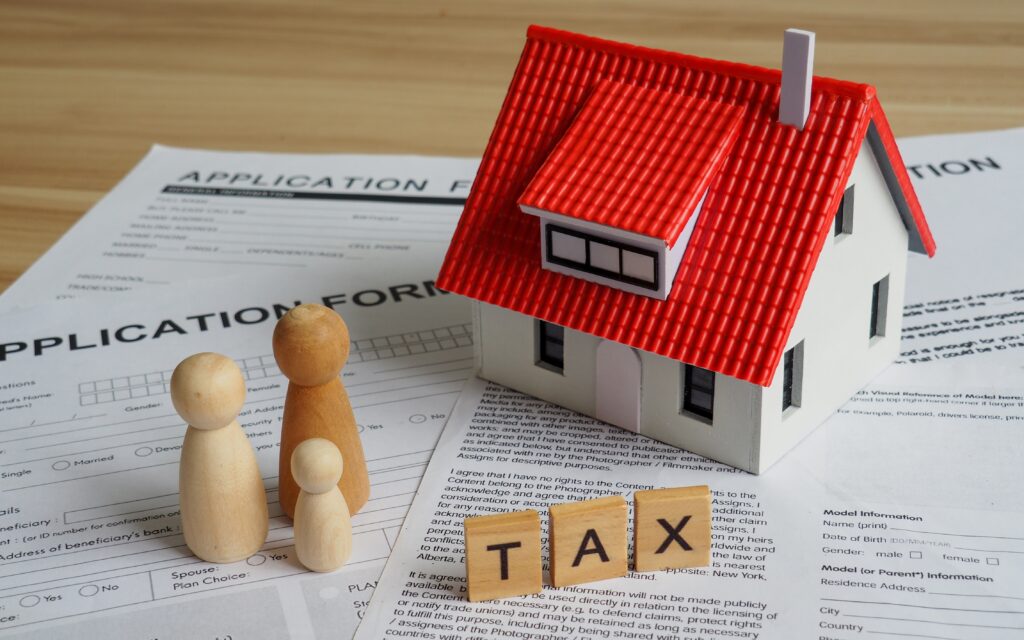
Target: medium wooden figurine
(311, 345)
(323, 526)
(223, 501)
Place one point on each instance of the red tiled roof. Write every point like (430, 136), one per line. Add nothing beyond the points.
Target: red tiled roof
(636, 159)
(767, 214)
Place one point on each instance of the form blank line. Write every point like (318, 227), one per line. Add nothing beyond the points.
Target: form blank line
(46, 424)
(251, 262)
(911, 635)
(75, 564)
(78, 453)
(411, 375)
(959, 535)
(920, 606)
(429, 395)
(974, 595)
(102, 546)
(420, 366)
(987, 550)
(96, 475)
(946, 624)
(109, 435)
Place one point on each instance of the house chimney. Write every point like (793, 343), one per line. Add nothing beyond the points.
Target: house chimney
(797, 69)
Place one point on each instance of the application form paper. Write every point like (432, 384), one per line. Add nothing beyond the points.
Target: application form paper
(902, 517)
(278, 232)
(967, 301)
(188, 213)
(90, 444)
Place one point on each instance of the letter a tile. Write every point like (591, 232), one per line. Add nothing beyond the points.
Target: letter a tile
(672, 528)
(503, 555)
(588, 540)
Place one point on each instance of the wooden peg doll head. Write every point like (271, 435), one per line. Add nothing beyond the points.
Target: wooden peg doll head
(311, 345)
(207, 390)
(317, 465)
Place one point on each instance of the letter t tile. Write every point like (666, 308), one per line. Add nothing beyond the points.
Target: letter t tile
(503, 555)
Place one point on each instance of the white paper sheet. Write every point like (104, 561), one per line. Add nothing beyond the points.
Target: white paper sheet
(969, 299)
(883, 523)
(89, 449)
(190, 213)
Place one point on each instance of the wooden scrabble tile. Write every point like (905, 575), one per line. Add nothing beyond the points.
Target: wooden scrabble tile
(672, 528)
(588, 540)
(503, 555)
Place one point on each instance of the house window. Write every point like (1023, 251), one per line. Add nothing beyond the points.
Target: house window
(792, 376)
(879, 305)
(698, 391)
(551, 345)
(602, 257)
(844, 216)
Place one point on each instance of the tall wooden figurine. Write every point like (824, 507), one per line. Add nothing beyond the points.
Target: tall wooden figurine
(311, 345)
(323, 527)
(223, 501)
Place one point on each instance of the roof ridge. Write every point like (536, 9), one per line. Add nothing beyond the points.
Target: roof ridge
(845, 88)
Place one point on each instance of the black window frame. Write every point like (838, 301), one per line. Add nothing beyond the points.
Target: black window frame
(788, 366)
(792, 379)
(843, 224)
(586, 267)
(689, 385)
(549, 334)
(879, 310)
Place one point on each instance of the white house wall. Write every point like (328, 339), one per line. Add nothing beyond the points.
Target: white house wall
(732, 437)
(833, 322)
(508, 356)
(750, 430)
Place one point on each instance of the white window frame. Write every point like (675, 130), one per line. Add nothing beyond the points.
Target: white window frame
(613, 252)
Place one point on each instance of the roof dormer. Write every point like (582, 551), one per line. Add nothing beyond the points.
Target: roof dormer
(621, 192)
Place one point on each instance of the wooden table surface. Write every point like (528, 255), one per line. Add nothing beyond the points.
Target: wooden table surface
(87, 87)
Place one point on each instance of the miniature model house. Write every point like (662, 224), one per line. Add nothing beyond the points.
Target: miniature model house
(708, 253)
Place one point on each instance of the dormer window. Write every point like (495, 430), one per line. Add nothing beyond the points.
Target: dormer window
(620, 194)
(602, 257)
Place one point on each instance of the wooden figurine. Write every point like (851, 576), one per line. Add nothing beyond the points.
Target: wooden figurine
(503, 555)
(323, 526)
(588, 540)
(672, 528)
(311, 345)
(223, 501)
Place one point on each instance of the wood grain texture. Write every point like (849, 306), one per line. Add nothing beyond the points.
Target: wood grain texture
(503, 555)
(588, 541)
(323, 525)
(672, 528)
(223, 500)
(322, 412)
(311, 344)
(89, 86)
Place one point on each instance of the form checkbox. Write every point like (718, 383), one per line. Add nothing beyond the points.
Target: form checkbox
(992, 561)
(916, 555)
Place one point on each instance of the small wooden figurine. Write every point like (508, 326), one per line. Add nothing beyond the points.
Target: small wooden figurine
(223, 501)
(672, 528)
(588, 540)
(311, 345)
(323, 526)
(503, 555)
